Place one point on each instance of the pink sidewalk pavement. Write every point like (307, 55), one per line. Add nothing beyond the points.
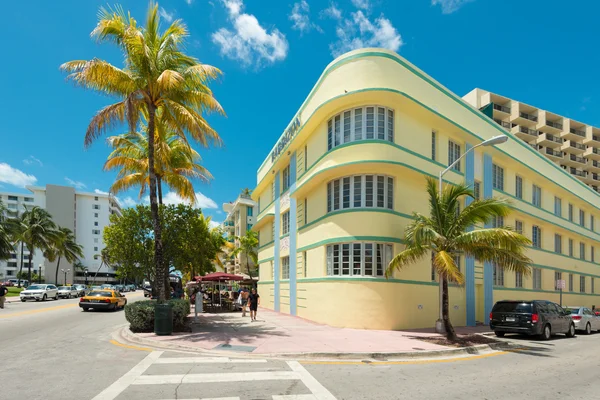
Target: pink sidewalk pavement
(276, 333)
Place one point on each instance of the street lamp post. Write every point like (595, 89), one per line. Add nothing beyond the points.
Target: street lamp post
(40, 273)
(65, 271)
(439, 324)
(85, 273)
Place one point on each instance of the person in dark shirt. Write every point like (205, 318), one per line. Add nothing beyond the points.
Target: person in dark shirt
(253, 302)
(3, 292)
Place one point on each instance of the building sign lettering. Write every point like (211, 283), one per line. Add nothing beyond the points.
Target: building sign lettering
(286, 138)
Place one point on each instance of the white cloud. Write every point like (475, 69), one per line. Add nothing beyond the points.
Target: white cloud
(189, 2)
(127, 202)
(31, 159)
(450, 6)
(249, 42)
(214, 224)
(364, 4)
(201, 200)
(15, 177)
(332, 12)
(359, 32)
(301, 19)
(100, 191)
(166, 15)
(77, 184)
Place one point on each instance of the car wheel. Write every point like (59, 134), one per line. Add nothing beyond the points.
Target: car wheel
(56, 297)
(85, 309)
(546, 333)
(588, 329)
(23, 300)
(571, 332)
(499, 334)
(45, 297)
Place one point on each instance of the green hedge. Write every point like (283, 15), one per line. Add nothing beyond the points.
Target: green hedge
(140, 315)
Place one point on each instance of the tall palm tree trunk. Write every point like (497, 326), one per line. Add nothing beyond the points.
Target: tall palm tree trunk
(248, 267)
(29, 266)
(166, 267)
(450, 333)
(21, 269)
(159, 186)
(158, 247)
(56, 272)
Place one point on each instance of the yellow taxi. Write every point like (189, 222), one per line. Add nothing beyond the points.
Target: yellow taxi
(103, 299)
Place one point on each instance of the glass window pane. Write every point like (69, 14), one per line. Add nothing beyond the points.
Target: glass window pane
(381, 123)
(358, 124)
(346, 193)
(337, 130)
(336, 194)
(329, 199)
(380, 192)
(370, 122)
(329, 135)
(336, 259)
(380, 259)
(329, 260)
(390, 193)
(346, 259)
(368, 259)
(356, 258)
(369, 191)
(358, 191)
(390, 130)
(347, 120)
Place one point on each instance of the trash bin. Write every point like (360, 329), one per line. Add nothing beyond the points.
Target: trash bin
(163, 319)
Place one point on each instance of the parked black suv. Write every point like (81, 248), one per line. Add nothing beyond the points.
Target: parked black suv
(532, 317)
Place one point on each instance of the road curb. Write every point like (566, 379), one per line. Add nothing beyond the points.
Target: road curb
(125, 334)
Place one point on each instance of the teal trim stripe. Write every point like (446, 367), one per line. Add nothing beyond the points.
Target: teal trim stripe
(284, 236)
(266, 260)
(563, 255)
(543, 291)
(265, 208)
(568, 271)
(349, 239)
(266, 244)
(374, 210)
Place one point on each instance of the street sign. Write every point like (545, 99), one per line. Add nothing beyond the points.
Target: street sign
(560, 284)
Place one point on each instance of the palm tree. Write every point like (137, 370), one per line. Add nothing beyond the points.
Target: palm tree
(36, 230)
(248, 246)
(63, 245)
(175, 163)
(449, 232)
(6, 245)
(246, 192)
(158, 77)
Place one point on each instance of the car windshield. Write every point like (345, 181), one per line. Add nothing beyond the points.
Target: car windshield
(574, 310)
(35, 287)
(64, 288)
(100, 294)
(512, 307)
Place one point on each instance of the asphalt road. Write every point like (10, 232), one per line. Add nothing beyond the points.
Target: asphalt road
(52, 350)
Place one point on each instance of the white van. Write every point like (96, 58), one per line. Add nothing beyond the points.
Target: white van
(15, 282)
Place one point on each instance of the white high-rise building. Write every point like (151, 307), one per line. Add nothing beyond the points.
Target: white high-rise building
(86, 214)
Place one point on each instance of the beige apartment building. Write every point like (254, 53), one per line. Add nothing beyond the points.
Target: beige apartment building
(240, 218)
(573, 145)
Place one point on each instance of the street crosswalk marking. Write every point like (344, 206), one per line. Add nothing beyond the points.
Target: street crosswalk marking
(136, 377)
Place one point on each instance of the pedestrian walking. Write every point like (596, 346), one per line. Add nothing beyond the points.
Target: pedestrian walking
(3, 292)
(245, 296)
(253, 301)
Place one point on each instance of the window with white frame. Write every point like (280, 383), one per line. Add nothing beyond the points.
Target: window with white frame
(286, 179)
(581, 251)
(582, 218)
(557, 243)
(433, 145)
(592, 223)
(571, 248)
(537, 278)
(358, 259)
(364, 123)
(570, 282)
(558, 206)
(498, 221)
(536, 195)
(285, 267)
(519, 187)
(285, 223)
(497, 177)
(477, 190)
(582, 284)
(453, 154)
(557, 278)
(498, 275)
(519, 226)
(536, 236)
(518, 279)
(570, 212)
(360, 191)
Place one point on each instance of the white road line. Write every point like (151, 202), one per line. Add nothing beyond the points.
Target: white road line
(295, 397)
(211, 398)
(216, 377)
(111, 392)
(311, 383)
(207, 360)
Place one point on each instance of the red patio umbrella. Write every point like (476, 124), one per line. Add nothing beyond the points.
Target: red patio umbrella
(219, 277)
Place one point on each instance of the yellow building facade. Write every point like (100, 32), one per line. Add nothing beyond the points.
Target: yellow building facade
(340, 185)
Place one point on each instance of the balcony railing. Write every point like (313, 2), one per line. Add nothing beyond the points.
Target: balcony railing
(228, 223)
(595, 151)
(554, 153)
(502, 108)
(596, 138)
(524, 129)
(528, 116)
(577, 172)
(596, 177)
(575, 158)
(554, 125)
(534, 145)
(553, 138)
(577, 132)
(577, 145)
(503, 124)
(595, 164)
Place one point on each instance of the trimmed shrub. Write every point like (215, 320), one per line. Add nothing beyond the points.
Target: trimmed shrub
(140, 315)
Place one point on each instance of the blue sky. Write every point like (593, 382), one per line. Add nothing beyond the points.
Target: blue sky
(271, 53)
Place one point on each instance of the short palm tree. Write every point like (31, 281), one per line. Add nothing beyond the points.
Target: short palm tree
(249, 247)
(63, 245)
(175, 163)
(158, 77)
(448, 232)
(36, 230)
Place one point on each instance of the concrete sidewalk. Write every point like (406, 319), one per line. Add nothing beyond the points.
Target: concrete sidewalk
(276, 333)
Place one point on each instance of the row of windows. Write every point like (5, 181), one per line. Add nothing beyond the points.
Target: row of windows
(358, 259)
(16, 198)
(360, 191)
(537, 280)
(364, 123)
(536, 197)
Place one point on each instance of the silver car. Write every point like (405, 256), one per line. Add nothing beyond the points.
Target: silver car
(584, 319)
(67, 292)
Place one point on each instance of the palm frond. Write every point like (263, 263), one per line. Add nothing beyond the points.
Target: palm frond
(408, 256)
(443, 261)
